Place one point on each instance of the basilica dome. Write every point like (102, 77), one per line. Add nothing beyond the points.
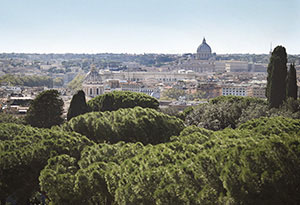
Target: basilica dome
(204, 47)
(92, 84)
(93, 76)
(203, 51)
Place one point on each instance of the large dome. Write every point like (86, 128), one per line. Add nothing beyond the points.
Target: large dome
(93, 77)
(204, 47)
(203, 51)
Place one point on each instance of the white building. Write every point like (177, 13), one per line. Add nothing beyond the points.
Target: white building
(92, 85)
(154, 92)
(236, 66)
(259, 67)
(235, 90)
(257, 91)
(144, 76)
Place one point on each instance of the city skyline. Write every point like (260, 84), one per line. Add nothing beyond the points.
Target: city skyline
(153, 26)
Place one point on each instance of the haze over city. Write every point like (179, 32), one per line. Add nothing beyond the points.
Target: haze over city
(153, 26)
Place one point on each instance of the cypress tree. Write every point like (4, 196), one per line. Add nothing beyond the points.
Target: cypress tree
(292, 88)
(78, 105)
(276, 80)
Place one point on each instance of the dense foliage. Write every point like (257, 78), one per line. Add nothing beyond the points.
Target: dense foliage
(291, 87)
(276, 80)
(198, 167)
(24, 152)
(129, 125)
(78, 105)
(9, 118)
(30, 81)
(45, 110)
(142, 156)
(122, 99)
(229, 111)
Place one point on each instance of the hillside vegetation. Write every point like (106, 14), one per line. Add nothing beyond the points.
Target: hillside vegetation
(234, 155)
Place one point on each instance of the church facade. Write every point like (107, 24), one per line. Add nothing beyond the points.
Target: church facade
(92, 85)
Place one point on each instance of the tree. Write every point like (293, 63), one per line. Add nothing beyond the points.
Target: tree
(78, 105)
(24, 151)
(226, 111)
(122, 99)
(129, 125)
(276, 80)
(45, 110)
(292, 89)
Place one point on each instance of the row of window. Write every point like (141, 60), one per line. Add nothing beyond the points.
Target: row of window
(233, 89)
(234, 94)
(161, 79)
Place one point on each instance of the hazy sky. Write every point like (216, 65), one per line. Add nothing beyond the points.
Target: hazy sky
(148, 26)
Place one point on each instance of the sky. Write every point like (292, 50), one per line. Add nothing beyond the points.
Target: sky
(148, 26)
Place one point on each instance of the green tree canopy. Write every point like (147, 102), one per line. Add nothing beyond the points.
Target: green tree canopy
(30, 81)
(45, 110)
(78, 105)
(129, 124)
(24, 152)
(256, 163)
(276, 80)
(9, 118)
(242, 166)
(292, 88)
(226, 111)
(122, 99)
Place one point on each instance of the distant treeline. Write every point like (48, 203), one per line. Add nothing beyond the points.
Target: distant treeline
(30, 81)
